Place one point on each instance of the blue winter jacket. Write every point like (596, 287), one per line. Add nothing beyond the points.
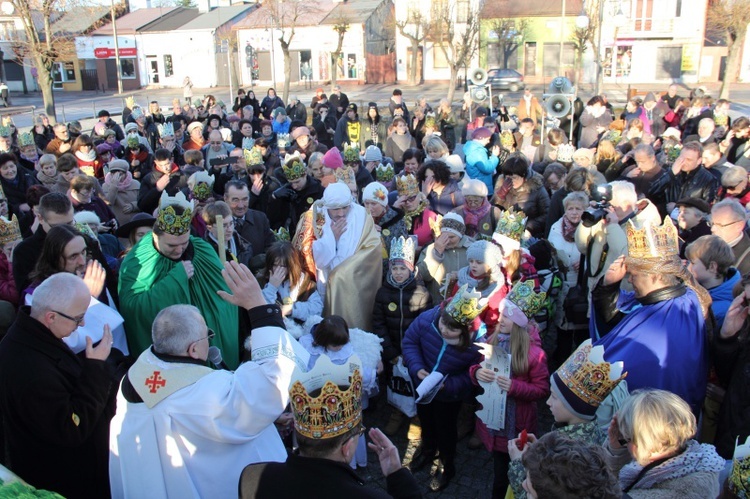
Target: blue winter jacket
(423, 347)
(479, 163)
(722, 295)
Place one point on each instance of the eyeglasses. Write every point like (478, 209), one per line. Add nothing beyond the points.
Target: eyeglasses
(77, 320)
(624, 441)
(216, 143)
(712, 223)
(411, 199)
(208, 337)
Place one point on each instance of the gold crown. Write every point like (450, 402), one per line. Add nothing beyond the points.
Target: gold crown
(510, 228)
(294, 167)
(25, 139)
(346, 175)
(168, 220)
(739, 481)
(465, 305)
(429, 121)
(253, 156)
(507, 140)
(384, 173)
(9, 230)
(589, 376)
(524, 297)
(403, 248)
(283, 140)
(652, 241)
(407, 185)
(334, 411)
(351, 153)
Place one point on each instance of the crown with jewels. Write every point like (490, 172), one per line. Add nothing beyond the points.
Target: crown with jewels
(407, 185)
(283, 140)
(739, 481)
(384, 173)
(652, 241)
(672, 151)
(351, 153)
(565, 153)
(201, 184)
(403, 249)
(294, 167)
(9, 230)
(509, 230)
(168, 220)
(283, 234)
(507, 140)
(466, 305)
(346, 175)
(523, 296)
(253, 156)
(167, 129)
(248, 142)
(25, 139)
(586, 379)
(335, 410)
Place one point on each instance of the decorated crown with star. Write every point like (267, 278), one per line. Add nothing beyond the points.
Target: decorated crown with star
(384, 173)
(429, 121)
(337, 406)
(403, 249)
(25, 139)
(9, 230)
(523, 296)
(739, 481)
(283, 140)
(466, 305)
(167, 129)
(351, 153)
(253, 156)
(509, 230)
(346, 175)
(652, 241)
(294, 168)
(565, 153)
(201, 184)
(175, 214)
(407, 185)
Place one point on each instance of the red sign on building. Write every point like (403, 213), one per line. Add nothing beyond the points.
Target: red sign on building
(107, 53)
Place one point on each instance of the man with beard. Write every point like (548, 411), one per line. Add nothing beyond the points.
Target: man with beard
(62, 141)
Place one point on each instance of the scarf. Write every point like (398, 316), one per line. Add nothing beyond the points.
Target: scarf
(409, 215)
(409, 280)
(472, 217)
(569, 229)
(86, 156)
(123, 184)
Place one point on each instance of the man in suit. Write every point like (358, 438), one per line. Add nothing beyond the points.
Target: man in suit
(251, 225)
(728, 220)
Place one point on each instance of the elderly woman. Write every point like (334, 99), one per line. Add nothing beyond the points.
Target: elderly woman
(437, 185)
(478, 214)
(577, 180)
(522, 188)
(734, 184)
(651, 445)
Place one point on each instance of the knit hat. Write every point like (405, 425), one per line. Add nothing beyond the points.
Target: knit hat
(474, 187)
(100, 128)
(372, 153)
(195, 124)
(650, 97)
(332, 159)
(103, 148)
(299, 132)
(372, 105)
(481, 133)
(278, 111)
(118, 165)
(131, 126)
(375, 192)
(352, 107)
(481, 111)
(485, 251)
(455, 163)
(453, 223)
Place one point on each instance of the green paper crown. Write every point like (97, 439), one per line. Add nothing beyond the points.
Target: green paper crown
(253, 156)
(25, 139)
(168, 220)
(510, 229)
(739, 481)
(351, 153)
(294, 168)
(5, 131)
(466, 305)
(283, 234)
(384, 173)
(524, 297)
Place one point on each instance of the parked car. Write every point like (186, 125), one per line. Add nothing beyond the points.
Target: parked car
(506, 79)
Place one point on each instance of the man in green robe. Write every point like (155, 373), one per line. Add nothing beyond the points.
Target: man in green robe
(169, 267)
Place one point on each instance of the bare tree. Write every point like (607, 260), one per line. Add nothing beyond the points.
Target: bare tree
(341, 27)
(510, 35)
(459, 41)
(580, 38)
(415, 28)
(590, 35)
(731, 18)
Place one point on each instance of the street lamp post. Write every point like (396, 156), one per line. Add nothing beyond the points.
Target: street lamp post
(619, 21)
(117, 48)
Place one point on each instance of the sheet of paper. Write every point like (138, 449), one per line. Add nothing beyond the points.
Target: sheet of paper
(494, 398)
(429, 387)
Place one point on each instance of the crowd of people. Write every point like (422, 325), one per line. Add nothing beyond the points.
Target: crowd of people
(467, 263)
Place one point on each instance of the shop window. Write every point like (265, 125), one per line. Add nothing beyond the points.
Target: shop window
(168, 69)
(127, 69)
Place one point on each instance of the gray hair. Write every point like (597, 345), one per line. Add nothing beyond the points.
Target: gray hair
(175, 328)
(576, 197)
(733, 204)
(733, 176)
(316, 157)
(57, 292)
(645, 149)
(624, 192)
(707, 121)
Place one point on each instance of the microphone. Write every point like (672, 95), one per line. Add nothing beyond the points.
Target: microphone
(214, 355)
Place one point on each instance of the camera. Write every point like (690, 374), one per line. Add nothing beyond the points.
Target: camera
(602, 195)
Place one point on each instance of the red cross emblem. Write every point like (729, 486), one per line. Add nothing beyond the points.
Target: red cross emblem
(155, 382)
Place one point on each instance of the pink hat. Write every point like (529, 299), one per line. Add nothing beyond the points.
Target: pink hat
(332, 159)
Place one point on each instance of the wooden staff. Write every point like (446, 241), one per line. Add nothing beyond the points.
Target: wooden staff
(220, 237)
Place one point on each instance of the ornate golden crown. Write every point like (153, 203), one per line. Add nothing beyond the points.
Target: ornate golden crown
(429, 121)
(739, 482)
(168, 220)
(283, 140)
(25, 139)
(9, 230)
(294, 167)
(351, 153)
(384, 173)
(510, 229)
(466, 305)
(403, 249)
(524, 297)
(507, 140)
(253, 156)
(589, 376)
(334, 411)
(652, 241)
(407, 185)
(346, 175)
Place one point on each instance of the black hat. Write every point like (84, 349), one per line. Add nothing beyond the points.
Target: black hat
(103, 113)
(371, 105)
(481, 111)
(397, 92)
(352, 107)
(696, 203)
(138, 220)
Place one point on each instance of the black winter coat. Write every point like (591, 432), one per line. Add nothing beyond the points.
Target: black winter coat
(393, 312)
(731, 359)
(56, 408)
(699, 183)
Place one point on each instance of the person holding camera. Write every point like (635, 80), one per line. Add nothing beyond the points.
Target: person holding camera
(166, 176)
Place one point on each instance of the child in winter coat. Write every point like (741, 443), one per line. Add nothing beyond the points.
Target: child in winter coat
(398, 302)
(485, 274)
(528, 381)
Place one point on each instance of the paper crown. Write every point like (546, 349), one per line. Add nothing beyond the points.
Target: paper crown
(672, 151)
(197, 103)
(384, 173)
(652, 241)
(25, 139)
(168, 220)
(283, 234)
(739, 481)
(523, 296)
(351, 153)
(5, 131)
(248, 143)
(346, 175)
(133, 141)
(721, 119)
(283, 140)
(200, 184)
(507, 140)
(253, 156)
(402, 250)
(294, 168)
(9, 230)
(429, 121)
(565, 153)
(130, 102)
(335, 410)
(407, 185)
(509, 230)
(585, 380)
(137, 113)
(465, 305)
(166, 130)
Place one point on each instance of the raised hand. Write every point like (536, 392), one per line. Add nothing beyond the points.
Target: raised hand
(94, 278)
(245, 291)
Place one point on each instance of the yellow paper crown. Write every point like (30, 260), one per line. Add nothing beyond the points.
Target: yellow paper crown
(168, 220)
(9, 230)
(466, 305)
(346, 175)
(335, 410)
(407, 185)
(589, 376)
(253, 156)
(510, 228)
(294, 168)
(739, 481)
(652, 241)
(524, 297)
